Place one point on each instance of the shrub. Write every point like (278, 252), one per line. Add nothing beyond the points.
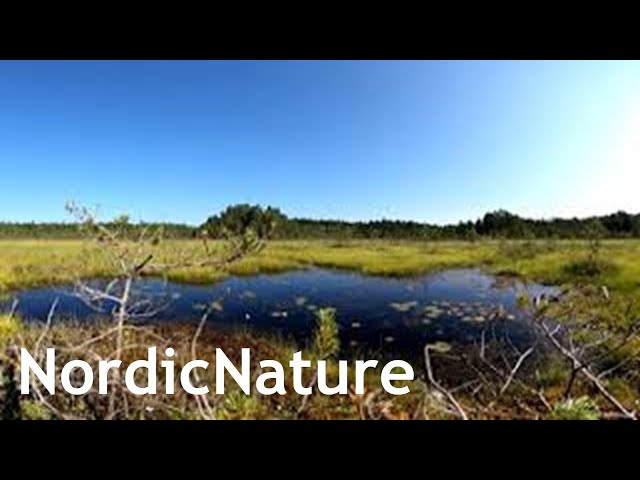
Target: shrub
(588, 267)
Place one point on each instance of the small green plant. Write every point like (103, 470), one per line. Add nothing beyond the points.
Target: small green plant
(582, 408)
(34, 411)
(326, 341)
(593, 265)
(9, 325)
(238, 406)
(523, 300)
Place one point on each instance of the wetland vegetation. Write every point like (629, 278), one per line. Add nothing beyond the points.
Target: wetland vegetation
(471, 315)
(27, 263)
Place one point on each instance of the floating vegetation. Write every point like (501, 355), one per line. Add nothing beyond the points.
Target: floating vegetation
(432, 311)
(217, 305)
(403, 306)
(200, 306)
(439, 346)
(301, 301)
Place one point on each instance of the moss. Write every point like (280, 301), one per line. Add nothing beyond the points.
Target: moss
(34, 411)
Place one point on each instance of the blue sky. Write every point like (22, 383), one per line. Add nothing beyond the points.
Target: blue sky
(430, 141)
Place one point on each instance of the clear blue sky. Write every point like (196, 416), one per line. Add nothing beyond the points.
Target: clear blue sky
(430, 141)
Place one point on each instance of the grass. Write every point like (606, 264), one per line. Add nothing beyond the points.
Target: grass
(27, 263)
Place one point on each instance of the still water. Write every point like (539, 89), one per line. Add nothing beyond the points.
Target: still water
(374, 313)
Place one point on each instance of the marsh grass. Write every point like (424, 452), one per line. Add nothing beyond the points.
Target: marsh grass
(28, 263)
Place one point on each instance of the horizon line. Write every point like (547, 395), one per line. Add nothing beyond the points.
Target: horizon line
(333, 219)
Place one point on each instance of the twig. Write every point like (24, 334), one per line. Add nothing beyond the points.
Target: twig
(514, 370)
(439, 387)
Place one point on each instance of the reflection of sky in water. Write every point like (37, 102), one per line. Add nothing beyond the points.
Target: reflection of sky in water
(378, 313)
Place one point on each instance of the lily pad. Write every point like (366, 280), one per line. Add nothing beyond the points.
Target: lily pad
(432, 311)
(403, 306)
(217, 306)
(440, 347)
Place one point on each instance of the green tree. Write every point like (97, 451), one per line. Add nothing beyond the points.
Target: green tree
(241, 219)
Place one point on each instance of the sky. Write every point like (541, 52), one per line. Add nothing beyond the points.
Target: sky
(357, 140)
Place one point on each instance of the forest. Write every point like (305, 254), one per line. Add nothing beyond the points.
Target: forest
(270, 221)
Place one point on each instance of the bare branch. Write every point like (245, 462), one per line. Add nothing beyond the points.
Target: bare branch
(440, 388)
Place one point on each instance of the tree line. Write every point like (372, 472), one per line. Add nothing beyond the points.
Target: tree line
(61, 231)
(499, 224)
(270, 222)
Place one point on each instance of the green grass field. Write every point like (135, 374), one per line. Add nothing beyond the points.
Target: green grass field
(25, 263)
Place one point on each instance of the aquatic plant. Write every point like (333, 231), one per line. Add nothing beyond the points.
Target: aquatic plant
(440, 347)
(326, 342)
(403, 306)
